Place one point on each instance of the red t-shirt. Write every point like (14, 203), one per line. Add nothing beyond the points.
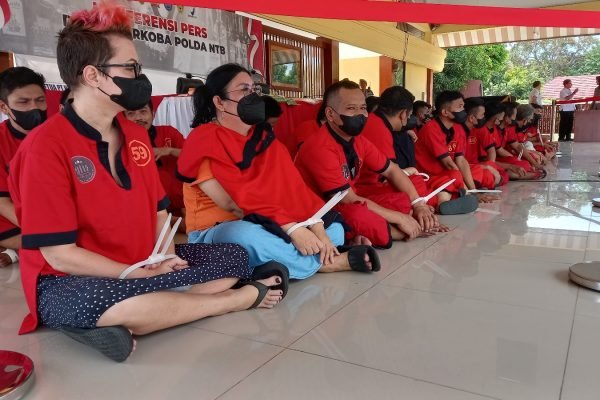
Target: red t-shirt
(330, 164)
(10, 140)
(532, 134)
(303, 131)
(471, 146)
(435, 143)
(167, 136)
(255, 170)
(380, 135)
(510, 137)
(486, 139)
(64, 193)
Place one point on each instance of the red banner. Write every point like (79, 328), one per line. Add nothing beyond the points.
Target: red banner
(575, 101)
(365, 10)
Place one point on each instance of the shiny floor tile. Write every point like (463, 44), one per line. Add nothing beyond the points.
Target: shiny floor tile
(12, 311)
(487, 348)
(11, 277)
(307, 304)
(293, 375)
(581, 376)
(461, 270)
(484, 311)
(181, 363)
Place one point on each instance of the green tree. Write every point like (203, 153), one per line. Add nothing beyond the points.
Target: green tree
(514, 80)
(556, 57)
(468, 63)
(591, 61)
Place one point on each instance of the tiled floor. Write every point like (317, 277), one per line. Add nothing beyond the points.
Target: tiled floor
(483, 312)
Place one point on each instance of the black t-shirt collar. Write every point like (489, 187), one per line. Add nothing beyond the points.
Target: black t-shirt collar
(449, 132)
(349, 151)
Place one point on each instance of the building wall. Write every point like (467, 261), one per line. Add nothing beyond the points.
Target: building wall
(362, 68)
(416, 81)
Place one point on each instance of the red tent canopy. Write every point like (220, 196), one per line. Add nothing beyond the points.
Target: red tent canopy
(373, 10)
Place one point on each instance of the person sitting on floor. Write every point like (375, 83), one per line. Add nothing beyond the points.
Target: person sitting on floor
(440, 151)
(234, 169)
(387, 129)
(23, 100)
(495, 176)
(518, 132)
(91, 207)
(544, 146)
(166, 142)
(488, 138)
(422, 112)
(336, 156)
(506, 136)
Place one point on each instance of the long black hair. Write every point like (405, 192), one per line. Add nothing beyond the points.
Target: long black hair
(216, 82)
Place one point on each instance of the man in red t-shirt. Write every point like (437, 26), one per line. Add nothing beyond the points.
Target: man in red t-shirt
(167, 143)
(518, 143)
(441, 147)
(386, 128)
(22, 98)
(490, 139)
(491, 175)
(506, 137)
(332, 160)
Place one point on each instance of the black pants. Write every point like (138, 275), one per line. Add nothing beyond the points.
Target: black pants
(566, 125)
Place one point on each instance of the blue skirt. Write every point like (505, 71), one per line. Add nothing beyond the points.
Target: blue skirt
(79, 301)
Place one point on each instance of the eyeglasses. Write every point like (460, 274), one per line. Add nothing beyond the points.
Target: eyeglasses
(248, 90)
(136, 67)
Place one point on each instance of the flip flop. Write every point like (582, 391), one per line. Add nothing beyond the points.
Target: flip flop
(270, 269)
(12, 255)
(115, 342)
(262, 292)
(462, 205)
(356, 258)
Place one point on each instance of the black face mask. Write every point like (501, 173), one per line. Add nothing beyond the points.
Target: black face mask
(481, 123)
(135, 92)
(250, 109)
(29, 119)
(353, 125)
(460, 116)
(411, 123)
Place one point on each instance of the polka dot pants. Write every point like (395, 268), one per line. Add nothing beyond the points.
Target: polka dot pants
(79, 301)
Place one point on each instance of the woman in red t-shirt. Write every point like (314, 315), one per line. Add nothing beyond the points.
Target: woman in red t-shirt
(90, 203)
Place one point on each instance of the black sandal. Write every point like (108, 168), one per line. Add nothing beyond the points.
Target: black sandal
(270, 269)
(115, 342)
(461, 205)
(262, 292)
(356, 258)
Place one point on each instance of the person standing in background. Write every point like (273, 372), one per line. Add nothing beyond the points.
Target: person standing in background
(567, 112)
(535, 96)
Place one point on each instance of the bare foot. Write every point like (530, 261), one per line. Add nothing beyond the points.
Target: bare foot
(441, 229)
(359, 240)
(486, 198)
(271, 299)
